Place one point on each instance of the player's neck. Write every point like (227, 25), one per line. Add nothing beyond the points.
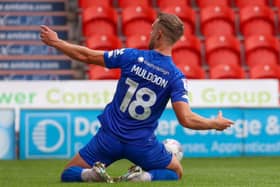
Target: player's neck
(164, 50)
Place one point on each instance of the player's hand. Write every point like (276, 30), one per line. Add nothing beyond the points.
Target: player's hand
(222, 123)
(48, 36)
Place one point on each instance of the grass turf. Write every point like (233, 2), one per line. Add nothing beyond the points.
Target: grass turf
(208, 172)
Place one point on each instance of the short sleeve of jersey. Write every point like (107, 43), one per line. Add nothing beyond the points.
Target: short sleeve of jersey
(179, 90)
(119, 57)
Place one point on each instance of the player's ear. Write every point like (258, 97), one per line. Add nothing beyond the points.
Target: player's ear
(159, 35)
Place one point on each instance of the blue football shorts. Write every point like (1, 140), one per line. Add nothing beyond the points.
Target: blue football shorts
(105, 148)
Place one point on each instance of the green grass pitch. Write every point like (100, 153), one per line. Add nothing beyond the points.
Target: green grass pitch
(206, 172)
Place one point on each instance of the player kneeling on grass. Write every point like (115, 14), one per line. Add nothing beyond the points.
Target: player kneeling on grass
(148, 80)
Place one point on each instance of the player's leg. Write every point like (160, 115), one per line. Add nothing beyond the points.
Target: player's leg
(176, 166)
(172, 172)
(74, 169)
(87, 164)
(77, 170)
(168, 173)
(155, 160)
(77, 160)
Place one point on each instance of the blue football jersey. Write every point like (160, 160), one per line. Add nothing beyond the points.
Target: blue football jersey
(148, 80)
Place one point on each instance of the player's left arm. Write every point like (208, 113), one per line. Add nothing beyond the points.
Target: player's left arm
(189, 119)
(77, 52)
(192, 120)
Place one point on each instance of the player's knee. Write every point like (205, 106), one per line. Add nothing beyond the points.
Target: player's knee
(180, 172)
(174, 176)
(71, 174)
(163, 174)
(64, 176)
(177, 173)
(177, 167)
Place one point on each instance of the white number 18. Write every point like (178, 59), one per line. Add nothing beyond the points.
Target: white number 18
(139, 101)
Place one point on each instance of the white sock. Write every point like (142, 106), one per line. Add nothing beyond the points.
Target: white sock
(88, 175)
(143, 177)
(146, 176)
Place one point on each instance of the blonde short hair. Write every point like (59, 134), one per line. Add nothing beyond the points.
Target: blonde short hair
(171, 26)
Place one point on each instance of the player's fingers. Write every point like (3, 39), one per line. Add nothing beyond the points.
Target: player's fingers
(44, 28)
(229, 122)
(42, 36)
(225, 126)
(43, 33)
(43, 39)
(220, 114)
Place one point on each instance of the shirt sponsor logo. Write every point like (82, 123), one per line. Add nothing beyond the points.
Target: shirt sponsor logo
(157, 68)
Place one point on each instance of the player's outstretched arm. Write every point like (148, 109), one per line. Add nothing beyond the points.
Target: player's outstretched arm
(80, 53)
(192, 120)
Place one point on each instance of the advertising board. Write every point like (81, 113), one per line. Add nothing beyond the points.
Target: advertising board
(7, 134)
(96, 94)
(40, 64)
(18, 6)
(11, 48)
(27, 35)
(54, 133)
(32, 19)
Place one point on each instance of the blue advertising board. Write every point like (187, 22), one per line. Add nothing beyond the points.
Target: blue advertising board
(61, 133)
(264, 126)
(28, 20)
(21, 35)
(55, 133)
(27, 49)
(17, 6)
(35, 64)
(7, 134)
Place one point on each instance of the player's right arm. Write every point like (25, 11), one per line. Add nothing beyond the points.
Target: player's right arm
(80, 53)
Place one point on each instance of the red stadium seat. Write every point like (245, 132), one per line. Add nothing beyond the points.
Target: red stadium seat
(138, 41)
(222, 49)
(244, 3)
(187, 51)
(261, 49)
(103, 42)
(102, 73)
(88, 3)
(217, 20)
(192, 71)
(99, 20)
(128, 3)
(186, 14)
(277, 3)
(264, 71)
(162, 4)
(226, 71)
(137, 20)
(278, 14)
(257, 20)
(206, 3)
